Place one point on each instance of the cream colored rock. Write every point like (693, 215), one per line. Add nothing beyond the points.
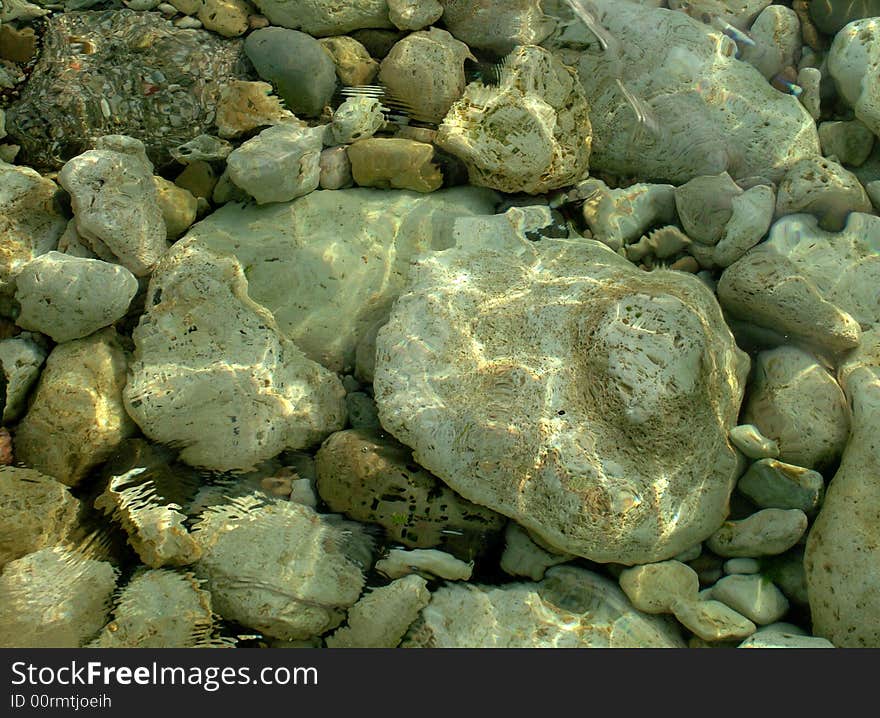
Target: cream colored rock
(776, 33)
(497, 25)
(402, 562)
(749, 440)
(67, 297)
(414, 14)
(686, 75)
(244, 106)
(530, 134)
(159, 608)
(293, 257)
(784, 640)
(354, 66)
(658, 587)
(207, 148)
(54, 598)
(740, 14)
(425, 72)
(851, 142)
(750, 219)
(705, 206)
(618, 217)
(382, 616)
(22, 359)
(36, 511)
(31, 221)
(823, 188)
(755, 597)
(765, 533)
(279, 568)
(155, 529)
(76, 418)
(514, 370)
(326, 17)
(278, 165)
(842, 562)
(213, 372)
(809, 79)
(713, 621)
(570, 608)
(394, 163)
(358, 118)
(228, 18)
(796, 402)
(853, 62)
(178, 207)
(335, 168)
(523, 557)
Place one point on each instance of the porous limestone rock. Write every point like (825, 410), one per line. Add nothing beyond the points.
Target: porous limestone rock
(354, 66)
(213, 373)
(76, 418)
(374, 480)
(395, 163)
(740, 14)
(36, 511)
(851, 142)
(22, 359)
(54, 598)
(853, 62)
(381, 617)
(764, 533)
(571, 607)
(155, 528)
(821, 187)
(431, 562)
(116, 207)
(159, 608)
(705, 206)
(618, 217)
(523, 557)
(294, 261)
(207, 148)
(750, 219)
(68, 297)
(772, 484)
(278, 165)
(335, 169)
(842, 560)
(244, 106)
(31, 221)
(358, 118)
(228, 18)
(497, 25)
(414, 14)
(794, 400)
(708, 111)
(776, 34)
(755, 597)
(424, 72)
(658, 587)
(326, 17)
(279, 568)
(559, 385)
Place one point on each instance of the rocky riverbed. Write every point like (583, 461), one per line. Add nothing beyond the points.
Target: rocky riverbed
(440, 323)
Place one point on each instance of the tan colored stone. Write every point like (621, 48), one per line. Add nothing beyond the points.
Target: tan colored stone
(394, 163)
(245, 106)
(199, 178)
(354, 66)
(228, 18)
(178, 207)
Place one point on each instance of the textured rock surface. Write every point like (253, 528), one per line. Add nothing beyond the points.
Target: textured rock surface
(355, 119)
(280, 569)
(214, 375)
(570, 608)
(523, 557)
(853, 61)
(618, 217)
(560, 386)
(294, 261)
(394, 163)
(374, 480)
(354, 66)
(414, 14)
(531, 133)
(22, 359)
(36, 511)
(764, 533)
(754, 597)
(497, 25)
(429, 562)
(119, 71)
(842, 558)
(68, 298)
(76, 418)
(245, 106)
(54, 598)
(326, 17)
(710, 108)
(772, 484)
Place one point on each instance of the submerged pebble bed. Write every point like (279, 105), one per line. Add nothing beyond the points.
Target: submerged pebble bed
(440, 323)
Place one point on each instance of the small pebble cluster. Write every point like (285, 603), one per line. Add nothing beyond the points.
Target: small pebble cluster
(439, 323)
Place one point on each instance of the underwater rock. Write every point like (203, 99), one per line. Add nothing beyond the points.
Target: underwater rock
(294, 261)
(842, 562)
(793, 400)
(159, 608)
(571, 608)
(335, 169)
(31, 221)
(706, 112)
(207, 148)
(54, 598)
(228, 18)
(765, 533)
(395, 163)
(523, 557)
(659, 587)
(76, 418)
(497, 26)
(214, 375)
(831, 16)
(354, 66)
(22, 360)
(358, 118)
(531, 133)
(705, 206)
(854, 62)
(381, 617)
(125, 72)
(36, 511)
(784, 640)
(751, 442)
(772, 484)
(712, 620)
(776, 34)
(68, 297)
(414, 14)
(850, 142)
(178, 206)
(750, 219)
(326, 17)
(244, 106)
(755, 597)
(554, 382)
(279, 568)
(425, 561)
(374, 480)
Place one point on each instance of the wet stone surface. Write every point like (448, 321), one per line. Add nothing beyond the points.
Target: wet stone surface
(120, 72)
